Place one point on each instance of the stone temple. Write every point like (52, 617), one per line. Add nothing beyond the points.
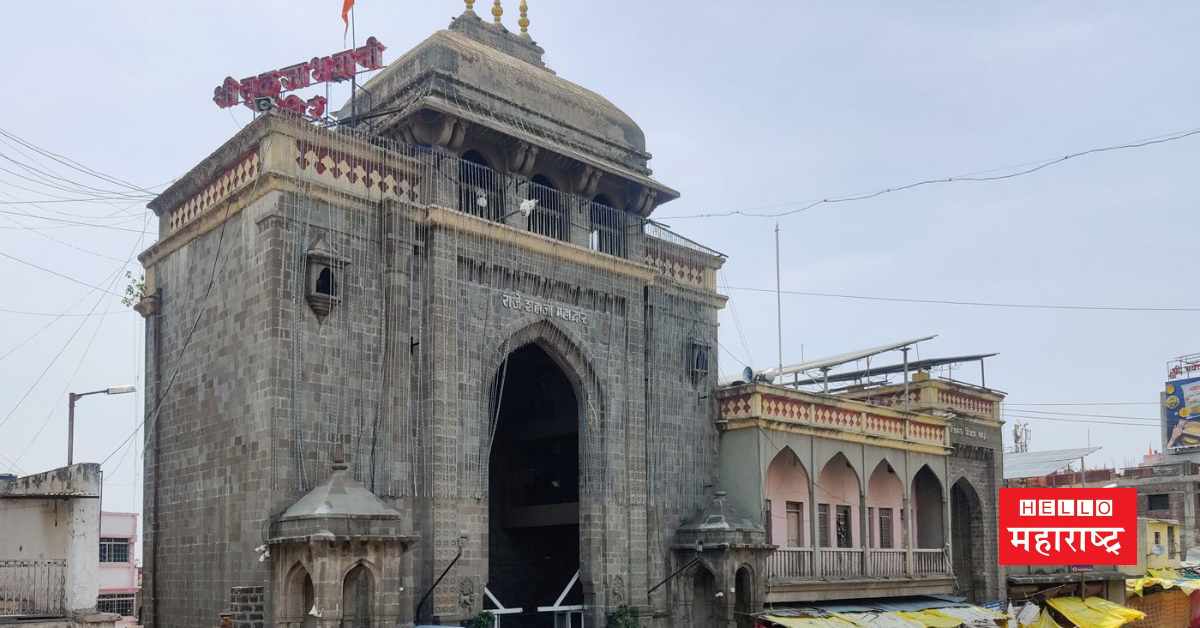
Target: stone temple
(531, 388)
(439, 359)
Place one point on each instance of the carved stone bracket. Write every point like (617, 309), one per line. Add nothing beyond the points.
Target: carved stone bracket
(521, 157)
(586, 180)
(435, 129)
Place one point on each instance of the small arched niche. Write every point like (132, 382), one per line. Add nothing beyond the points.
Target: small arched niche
(324, 278)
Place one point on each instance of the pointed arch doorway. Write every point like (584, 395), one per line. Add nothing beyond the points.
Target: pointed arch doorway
(533, 486)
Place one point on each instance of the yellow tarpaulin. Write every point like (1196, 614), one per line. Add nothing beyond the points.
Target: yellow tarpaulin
(1044, 620)
(1094, 612)
(881, 620)
(810, 622)
(1165, 578)
(931, 618)
(928, 618)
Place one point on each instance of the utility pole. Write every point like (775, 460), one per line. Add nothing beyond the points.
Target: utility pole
(778, 303)
(71, 399)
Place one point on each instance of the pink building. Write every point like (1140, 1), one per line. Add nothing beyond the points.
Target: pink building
(120, 581)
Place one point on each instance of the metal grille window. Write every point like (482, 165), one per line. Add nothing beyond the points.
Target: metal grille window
(480, 189)
(766, 509)
(823, 524)
(551, 216)
(698, 360)
(795, 531)
(843, 527)
(885, 528)
(114, 550)
(119, 603)
(608, 227)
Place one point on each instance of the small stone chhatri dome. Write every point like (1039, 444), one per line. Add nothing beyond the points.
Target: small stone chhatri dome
(480, 80)
(340, 507)
(339, 557)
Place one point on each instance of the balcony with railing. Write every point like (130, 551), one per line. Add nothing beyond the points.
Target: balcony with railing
(930, 394)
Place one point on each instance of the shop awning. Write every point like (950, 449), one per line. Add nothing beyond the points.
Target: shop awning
(907, 613)
(1094, 612)
(1165, 578)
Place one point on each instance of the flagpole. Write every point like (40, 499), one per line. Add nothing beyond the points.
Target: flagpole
(354, 76)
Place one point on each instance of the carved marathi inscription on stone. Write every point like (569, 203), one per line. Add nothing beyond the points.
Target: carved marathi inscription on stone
(519, 303)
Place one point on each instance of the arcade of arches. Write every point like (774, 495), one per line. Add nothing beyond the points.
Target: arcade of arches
(844, 513)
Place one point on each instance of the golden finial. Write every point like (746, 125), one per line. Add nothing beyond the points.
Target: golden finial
(524, 21)
(470, 6)
(497, 11)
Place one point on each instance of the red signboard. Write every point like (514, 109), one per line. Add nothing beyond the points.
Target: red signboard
(1068, 526)
(334, 68)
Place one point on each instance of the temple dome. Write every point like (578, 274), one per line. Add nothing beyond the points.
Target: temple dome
(484, 74)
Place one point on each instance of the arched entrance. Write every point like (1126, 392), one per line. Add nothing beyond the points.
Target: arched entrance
(705, 608)
(533, 505)
(966, 527)
(744, 587)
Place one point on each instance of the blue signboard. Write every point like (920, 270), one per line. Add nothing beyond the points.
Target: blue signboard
(1181, 413)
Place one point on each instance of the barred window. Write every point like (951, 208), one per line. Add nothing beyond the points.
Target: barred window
(823, 524)
(843, 526)
(119, 603)
(114, 550)
(885, 528)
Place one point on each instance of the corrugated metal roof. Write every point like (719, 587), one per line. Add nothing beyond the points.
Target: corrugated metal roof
(1032, 464)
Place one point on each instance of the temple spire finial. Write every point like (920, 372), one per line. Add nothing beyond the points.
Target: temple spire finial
(470, 6)
(524, 21)
(497, 11)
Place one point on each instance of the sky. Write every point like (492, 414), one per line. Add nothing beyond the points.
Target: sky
(761, 106)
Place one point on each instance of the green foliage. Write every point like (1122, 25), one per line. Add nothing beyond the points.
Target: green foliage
(623, 617)
(134, 290)
(483, 620)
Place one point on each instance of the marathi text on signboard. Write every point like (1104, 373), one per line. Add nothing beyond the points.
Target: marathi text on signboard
(1068, 526)
(523, 304)
(333, 68)
(1181, 413)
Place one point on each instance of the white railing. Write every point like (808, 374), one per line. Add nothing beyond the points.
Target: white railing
(929, 562)
(887, 563)
(841, 562)
(32, 588)
(790, 562)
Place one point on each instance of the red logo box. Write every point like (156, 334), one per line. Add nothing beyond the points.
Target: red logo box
(1068, 526)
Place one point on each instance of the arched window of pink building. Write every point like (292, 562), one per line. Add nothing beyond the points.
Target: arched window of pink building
(837, 493)
(885, 499)
(787, 505)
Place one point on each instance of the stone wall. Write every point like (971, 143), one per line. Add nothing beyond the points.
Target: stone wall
(399, 374)
(977, 460)
(208, 494)
(248, 605)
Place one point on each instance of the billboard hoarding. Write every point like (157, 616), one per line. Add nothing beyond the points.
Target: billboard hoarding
(1181, 413)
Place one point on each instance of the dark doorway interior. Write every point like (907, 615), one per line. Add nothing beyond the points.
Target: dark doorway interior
(533, 526)
(966, 524)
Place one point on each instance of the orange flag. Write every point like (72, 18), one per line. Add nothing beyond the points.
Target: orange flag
(346, 6)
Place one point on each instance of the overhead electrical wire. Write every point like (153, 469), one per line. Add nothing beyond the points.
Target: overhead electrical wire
(63, 220)
(58, 274)
(1086, 414)
(975, 177)
(991, 304)
(87, 348)
(75, 165)
(1083, 403)
(187, 341)
(1155, 424)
